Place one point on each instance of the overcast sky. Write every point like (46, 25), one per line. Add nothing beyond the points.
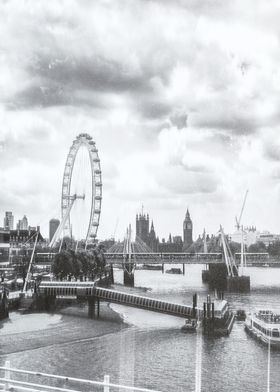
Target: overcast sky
(181, 97)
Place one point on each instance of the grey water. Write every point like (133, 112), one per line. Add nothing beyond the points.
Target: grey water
(153, 352)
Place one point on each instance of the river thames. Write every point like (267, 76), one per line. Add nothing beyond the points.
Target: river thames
(148, 349)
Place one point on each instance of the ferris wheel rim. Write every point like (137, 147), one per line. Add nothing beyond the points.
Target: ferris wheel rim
(86, 140)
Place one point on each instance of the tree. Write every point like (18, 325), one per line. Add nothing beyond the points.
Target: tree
(258, 247)
(21, 267)
(82, 264)
(63, 265)
(274, 248)
(235, 247)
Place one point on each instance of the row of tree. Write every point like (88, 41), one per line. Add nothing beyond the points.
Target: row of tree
(81, 265)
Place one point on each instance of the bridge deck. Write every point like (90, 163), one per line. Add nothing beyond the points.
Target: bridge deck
(87, 289)
(186, 258)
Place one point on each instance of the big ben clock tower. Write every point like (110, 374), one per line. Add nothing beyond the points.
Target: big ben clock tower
(187, 228)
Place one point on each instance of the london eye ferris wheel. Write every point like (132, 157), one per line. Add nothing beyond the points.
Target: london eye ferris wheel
(81, 195)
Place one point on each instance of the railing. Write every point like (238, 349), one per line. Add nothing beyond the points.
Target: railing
(9, 384)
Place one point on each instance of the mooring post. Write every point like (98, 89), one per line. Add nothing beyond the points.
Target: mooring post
(7, 375)
(205, 326)
(112, 274)
(208, 314)
(91, 307)
(162, 268)
(213, 318)
(194, 305)
(106, 381)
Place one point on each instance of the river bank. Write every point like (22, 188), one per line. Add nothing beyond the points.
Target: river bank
(30, 331)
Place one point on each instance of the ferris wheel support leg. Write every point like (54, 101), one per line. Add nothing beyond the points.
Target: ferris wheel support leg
(62, 224)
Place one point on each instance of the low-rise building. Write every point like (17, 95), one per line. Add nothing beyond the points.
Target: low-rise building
(4, 245)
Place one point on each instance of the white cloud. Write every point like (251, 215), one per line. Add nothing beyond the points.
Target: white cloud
(184, 107)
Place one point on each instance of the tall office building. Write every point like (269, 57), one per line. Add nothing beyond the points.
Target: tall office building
(22, 223)
(8, 221)
(54, 223)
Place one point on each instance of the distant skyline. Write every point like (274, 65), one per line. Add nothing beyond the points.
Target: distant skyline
(182, 99)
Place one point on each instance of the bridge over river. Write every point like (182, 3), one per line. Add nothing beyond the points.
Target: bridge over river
(88, 290)
(215, 316)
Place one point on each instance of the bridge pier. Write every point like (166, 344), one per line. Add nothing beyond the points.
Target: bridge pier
(205, 274)
(128, 274)
(217, 277)
(49, 303)
(238, 283)
(93, 307)
(4, 304)
(128, 278)
(183, 269)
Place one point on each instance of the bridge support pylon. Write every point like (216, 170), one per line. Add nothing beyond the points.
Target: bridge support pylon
(4, 304)
(49, 303)
(205, 274)
(128, 277)
(93, 307)
(238, 283)
(217, 276)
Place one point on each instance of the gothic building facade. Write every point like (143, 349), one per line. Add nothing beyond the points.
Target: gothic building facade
(174, 244)
(144, 232)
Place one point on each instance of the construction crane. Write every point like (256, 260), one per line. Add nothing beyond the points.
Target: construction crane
(238, 221)
(239, 226)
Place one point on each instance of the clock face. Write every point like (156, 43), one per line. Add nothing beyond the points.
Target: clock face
(189, 226)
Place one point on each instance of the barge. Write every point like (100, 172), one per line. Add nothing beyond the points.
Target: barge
(218, 319)
(174, 271)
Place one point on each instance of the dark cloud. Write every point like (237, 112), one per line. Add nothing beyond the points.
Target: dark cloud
(42, 96)
(179, 119)
(187, 180)
(86, 82)
(94, 72)
(235, 124)
(152, 108)
(272, 151)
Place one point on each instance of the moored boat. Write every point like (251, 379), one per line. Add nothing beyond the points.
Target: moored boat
(191, 325)
(174, 271)
(240, 315)
(264, 325)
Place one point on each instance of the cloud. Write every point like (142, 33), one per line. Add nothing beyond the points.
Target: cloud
(182, 99)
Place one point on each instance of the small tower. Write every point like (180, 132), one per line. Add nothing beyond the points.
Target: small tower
(153, 241)
(188, 230)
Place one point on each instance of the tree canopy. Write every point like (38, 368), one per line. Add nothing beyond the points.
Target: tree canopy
(80, 265)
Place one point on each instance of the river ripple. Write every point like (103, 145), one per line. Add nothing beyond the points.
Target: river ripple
(152, 352)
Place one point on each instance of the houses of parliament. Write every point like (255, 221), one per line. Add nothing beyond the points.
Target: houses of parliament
(147, 234)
